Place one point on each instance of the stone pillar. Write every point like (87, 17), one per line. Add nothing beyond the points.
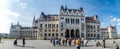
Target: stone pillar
(74, 33)
(69, 33)
(80, 33)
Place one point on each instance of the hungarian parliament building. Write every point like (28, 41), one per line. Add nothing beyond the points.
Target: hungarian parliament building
(69, 23)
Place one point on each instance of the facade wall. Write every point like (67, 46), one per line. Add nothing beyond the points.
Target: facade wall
(68, 23)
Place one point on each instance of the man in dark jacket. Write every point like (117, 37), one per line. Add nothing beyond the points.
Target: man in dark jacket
(23, 42)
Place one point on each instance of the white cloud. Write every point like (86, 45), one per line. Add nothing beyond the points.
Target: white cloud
(118, 24)
(7, 12)
(115, 20)
(23, 5)
(5, 21)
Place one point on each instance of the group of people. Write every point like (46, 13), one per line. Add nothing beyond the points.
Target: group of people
(69, 41)
(23, 42)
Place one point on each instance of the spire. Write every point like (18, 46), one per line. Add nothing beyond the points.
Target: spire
(18, 23)
(65, 6)
(11, 24)
(34, 18)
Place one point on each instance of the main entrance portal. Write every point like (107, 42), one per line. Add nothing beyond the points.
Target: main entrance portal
(72, 33)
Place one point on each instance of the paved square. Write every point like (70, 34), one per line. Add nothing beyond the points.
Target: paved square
(45, 44)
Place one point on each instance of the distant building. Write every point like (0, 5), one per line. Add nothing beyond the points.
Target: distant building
(4, 35)
(109, 32)
(17, 31)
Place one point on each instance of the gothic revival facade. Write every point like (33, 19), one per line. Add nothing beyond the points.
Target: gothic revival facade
(68, 23)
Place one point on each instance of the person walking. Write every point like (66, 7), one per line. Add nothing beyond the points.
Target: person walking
(85, 42)
(54, 43)
(63, 41)
(78, 44)
(66, 41)
(116, 47)
(23, 42)
(15, 42)
(103, 41)
(0, 39)
(70, 41)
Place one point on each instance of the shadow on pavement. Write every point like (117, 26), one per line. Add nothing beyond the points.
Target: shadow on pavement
(88, 46)
(25, 46)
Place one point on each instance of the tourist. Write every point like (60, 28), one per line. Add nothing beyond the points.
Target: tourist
(53, 41)
(103, 41)
(75, 41)
(63, 41)
(70, 41)
(98, 44)
(15, 42)
(0, 39)
(117, 47)
(59, 41)
(23, 42)
(85, 42)
(66, 41)
(78, 44)
(82, 41)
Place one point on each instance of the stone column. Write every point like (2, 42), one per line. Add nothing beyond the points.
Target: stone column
(74, 33)
(69, 33)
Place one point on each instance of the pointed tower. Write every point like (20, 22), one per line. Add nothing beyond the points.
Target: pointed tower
(33, 23)
(11, 24)
(34, 18)
(18, 23)
(65, 7)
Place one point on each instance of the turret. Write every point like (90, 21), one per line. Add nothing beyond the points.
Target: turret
(81, 9)
(95, 17)
(62, 7)
(42, 14)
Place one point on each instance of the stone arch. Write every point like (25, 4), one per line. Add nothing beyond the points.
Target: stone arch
(77, 33)
(67, 33)
(72, 33)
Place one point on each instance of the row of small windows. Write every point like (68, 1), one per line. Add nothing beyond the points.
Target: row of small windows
(93, 35)
(53, 34)
(49, 25)
(92, 27)
(92, 30)
(72, 21)
(70, 12)
(53, 30)
(28, 36)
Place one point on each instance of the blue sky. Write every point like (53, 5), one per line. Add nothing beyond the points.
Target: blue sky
(24, 10)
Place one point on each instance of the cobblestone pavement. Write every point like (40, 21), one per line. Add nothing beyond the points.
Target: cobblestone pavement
(45, 44)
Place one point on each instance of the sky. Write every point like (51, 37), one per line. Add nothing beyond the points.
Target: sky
(23, 11)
